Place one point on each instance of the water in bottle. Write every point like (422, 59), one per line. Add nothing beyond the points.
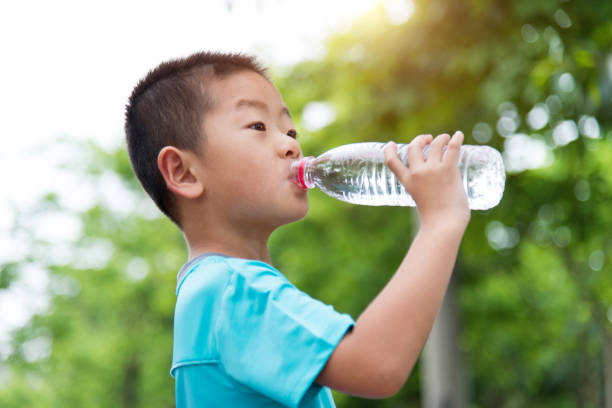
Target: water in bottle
(357, 173)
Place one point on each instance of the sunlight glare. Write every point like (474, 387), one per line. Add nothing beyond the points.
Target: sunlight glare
(317, 115)
(537, 117)
(398, 11)
(565, 132)
(522, 152)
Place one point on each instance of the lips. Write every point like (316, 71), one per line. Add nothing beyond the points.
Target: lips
(297, 172)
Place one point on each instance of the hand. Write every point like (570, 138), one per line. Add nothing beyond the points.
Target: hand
(434, 183)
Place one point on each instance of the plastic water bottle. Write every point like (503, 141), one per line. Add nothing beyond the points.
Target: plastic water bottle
(357, 173)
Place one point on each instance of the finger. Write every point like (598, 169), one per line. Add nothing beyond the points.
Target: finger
(453, 149)
(422, 140)
(394, 163)
(437, 147)
(415, 153)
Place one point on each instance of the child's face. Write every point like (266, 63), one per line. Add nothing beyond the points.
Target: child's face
(249, 146)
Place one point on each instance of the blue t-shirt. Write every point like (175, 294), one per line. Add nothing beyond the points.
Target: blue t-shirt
(244, 336)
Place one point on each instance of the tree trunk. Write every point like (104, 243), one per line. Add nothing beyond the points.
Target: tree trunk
(443, 377)
(607, 354)
(131, 379)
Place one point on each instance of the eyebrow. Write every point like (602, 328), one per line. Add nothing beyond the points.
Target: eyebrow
(252, 103)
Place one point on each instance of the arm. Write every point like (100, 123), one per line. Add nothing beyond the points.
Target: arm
(376, 357)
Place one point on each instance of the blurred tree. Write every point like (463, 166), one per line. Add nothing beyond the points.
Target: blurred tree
(532, 79)
(109, 325)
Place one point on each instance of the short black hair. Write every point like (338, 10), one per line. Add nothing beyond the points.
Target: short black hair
(166, 108)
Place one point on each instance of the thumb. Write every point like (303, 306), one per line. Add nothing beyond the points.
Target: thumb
(395, 164)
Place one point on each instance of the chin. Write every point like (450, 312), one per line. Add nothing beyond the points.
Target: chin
(303, 210)
(297, 214)
(302, 214)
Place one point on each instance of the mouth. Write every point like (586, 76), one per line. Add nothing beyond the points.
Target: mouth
(294, 174)
(297, 184)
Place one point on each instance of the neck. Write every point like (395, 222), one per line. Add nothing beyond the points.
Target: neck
(245, 243)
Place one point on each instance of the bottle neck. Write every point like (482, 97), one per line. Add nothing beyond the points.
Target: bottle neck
(302, 172)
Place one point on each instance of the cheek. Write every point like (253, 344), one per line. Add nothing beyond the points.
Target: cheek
(243, 179)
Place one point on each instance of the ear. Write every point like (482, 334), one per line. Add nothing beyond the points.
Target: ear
(178, 169)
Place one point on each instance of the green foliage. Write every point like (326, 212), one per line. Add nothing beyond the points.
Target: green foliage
(534, 306)
(534, 272)
(8, 273)
(110, 318)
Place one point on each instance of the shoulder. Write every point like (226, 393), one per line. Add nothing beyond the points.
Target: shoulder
(255, 274)
(213, 275)
(255, 289)
(199, 274)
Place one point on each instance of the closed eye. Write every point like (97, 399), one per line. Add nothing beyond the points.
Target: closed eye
(257, 126)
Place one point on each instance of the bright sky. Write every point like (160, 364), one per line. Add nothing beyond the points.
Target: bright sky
(69, 67)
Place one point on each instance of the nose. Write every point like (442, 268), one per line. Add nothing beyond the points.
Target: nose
(290, 148)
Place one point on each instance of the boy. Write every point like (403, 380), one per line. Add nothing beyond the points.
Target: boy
(211, 141)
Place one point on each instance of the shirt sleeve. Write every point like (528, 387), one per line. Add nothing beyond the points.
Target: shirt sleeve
(274, 338)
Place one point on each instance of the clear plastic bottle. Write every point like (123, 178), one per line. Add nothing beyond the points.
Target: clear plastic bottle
(357, 173)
